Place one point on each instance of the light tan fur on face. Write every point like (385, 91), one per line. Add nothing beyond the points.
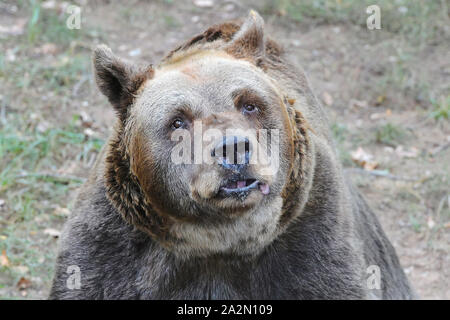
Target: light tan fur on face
(246, 235)
(205, 186)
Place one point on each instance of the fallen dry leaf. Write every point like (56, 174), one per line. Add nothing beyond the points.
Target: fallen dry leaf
(412, 152)
(52, 232)
(46, 49)
(381, 115)
(86, 119)
(430, 222)
(89, 132)
(282, 12)
(23, 283)
(388, 149)
(358, 103)
(50, 4)
(62, 212)
(364, 159)
(327, 98)
(59, 6)
(380, 100)
(377, 115)
(4, 261)
(20, 269)
(15, 29)
(11, 55)
(204, 3)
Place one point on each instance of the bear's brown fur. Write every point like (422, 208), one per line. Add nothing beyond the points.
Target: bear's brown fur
(144, 227)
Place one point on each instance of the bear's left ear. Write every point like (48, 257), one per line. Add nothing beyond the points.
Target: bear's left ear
(118, 80)
(249, 41)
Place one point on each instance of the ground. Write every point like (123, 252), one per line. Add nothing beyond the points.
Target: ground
(387, 93)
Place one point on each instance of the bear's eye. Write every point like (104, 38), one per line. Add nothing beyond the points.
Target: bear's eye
(177, 123)
(249, 108)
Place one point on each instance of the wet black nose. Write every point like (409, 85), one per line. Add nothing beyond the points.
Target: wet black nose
(233, 152)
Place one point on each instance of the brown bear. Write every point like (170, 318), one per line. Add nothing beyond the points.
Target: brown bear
(216, 224)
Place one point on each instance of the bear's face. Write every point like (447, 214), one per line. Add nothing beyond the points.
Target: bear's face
(206, 154)
(188, 123)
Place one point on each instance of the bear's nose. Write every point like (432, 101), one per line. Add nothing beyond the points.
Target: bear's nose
(233, 152)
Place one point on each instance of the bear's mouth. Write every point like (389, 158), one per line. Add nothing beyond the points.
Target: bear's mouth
(243, 187)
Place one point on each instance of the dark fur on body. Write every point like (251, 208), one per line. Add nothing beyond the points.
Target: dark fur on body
(327, 237)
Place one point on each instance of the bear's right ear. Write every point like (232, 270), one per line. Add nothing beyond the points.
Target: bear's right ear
(249, 41)
(118, 80)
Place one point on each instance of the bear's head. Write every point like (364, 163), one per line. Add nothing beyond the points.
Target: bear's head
(208, 154)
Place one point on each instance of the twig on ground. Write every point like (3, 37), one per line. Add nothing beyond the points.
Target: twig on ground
(441, 206)
(77, 86)
(379, 173)
(54, 176)
(440, 148)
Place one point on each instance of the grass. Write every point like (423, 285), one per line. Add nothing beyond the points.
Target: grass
(441, 108)
(414, 25)
(59, 75)
(420, 21)
(416, 222)
(389, 134)
(30, 196)
(35, 145)
(25, 149)
(170, 21)
(46, 26)
(398, 74)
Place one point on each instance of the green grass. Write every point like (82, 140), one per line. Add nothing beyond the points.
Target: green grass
(416, 222)
(2, 65)
(46, 26)
(34, 144)
(59, 76)
(441, 108)
(389, 134)
(26, 155)
(398, 74)
(170, 21)
(25, 249)
(24, 149)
